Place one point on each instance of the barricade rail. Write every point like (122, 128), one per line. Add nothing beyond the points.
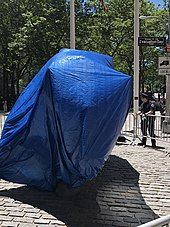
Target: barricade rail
(132, 127)
(161, 127)
(2, 121)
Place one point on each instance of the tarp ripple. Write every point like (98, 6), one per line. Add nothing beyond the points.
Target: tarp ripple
(65, 123)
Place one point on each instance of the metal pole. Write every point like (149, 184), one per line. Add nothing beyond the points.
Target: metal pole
(72, 25)
(168, 76)
(136, 57)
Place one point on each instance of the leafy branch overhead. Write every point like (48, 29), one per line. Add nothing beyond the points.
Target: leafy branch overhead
(32, 31)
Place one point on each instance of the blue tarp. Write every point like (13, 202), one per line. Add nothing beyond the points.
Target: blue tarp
(65, 123)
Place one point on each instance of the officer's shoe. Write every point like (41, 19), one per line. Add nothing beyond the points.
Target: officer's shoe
(141, 144)
(153, 143)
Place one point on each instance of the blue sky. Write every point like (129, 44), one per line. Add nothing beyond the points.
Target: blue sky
(157, 2)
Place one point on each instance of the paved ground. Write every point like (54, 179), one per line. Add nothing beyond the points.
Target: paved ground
(133, 188)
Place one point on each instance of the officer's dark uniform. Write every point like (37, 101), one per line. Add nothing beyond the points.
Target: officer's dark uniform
(147, 122)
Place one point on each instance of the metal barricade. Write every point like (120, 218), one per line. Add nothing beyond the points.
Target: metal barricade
(2, 122)
(129, 123)
(129, 127)
(160, 124)
(132, 127)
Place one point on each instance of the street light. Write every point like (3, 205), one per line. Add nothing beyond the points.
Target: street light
(168, 76)
(136, 58)
(136, 54)
(72, 24)
(168, 54)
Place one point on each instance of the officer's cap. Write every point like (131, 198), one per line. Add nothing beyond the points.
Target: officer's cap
(144, 95)
(153, 98)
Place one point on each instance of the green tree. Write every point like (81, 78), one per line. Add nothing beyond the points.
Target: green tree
(31, 32)
(112, 33)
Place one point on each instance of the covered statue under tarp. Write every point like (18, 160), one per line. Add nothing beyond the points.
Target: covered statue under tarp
(65, 123)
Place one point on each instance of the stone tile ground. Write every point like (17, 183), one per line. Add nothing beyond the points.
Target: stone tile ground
(132, 188)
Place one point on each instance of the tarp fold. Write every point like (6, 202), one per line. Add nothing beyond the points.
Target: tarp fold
(66, 121)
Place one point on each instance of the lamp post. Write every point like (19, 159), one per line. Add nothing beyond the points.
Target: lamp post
(136, 58)
(72, 24)
(136, 54)
(168, 76)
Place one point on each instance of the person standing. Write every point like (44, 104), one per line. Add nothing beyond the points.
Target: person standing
(1, 103)
(5, 108)
(146, 110)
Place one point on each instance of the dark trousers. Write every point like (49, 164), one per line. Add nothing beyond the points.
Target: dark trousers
(148, 123)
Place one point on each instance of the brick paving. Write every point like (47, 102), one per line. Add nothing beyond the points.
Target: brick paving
(133, 188)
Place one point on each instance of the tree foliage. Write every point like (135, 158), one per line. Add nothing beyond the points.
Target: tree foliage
(32, 31)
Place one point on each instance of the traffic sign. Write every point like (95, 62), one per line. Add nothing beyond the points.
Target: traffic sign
(168, 48)
(164, 72)
(164, 65)
(152, 41)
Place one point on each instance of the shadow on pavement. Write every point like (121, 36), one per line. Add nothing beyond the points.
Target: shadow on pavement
(111, 199)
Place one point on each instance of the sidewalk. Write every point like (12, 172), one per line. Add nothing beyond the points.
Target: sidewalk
(133, 188)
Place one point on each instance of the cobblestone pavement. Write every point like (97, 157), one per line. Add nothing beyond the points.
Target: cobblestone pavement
(132, 188)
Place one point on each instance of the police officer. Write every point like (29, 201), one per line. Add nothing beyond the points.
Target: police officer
(146, 109)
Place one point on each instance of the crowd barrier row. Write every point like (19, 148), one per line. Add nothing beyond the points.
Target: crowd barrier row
(132, 127)
(2, 121)
(161, 127)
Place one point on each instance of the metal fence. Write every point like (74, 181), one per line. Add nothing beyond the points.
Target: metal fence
(161, 127)
(2, 121)
(132, 127)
